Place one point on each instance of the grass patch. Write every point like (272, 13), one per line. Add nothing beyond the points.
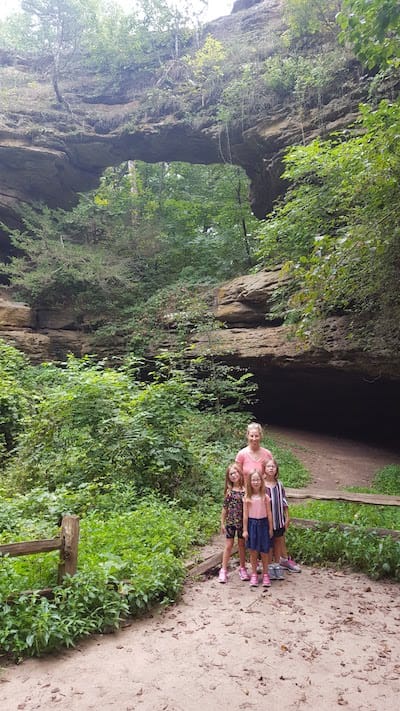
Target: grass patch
(386, 481)
(375, 556)
(366, 515)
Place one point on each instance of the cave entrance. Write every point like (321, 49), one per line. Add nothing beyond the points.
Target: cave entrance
(348, 405)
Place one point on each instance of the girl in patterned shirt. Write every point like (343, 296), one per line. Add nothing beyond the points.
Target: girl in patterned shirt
(232, 521)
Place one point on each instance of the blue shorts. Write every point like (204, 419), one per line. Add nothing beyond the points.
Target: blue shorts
(258, 539)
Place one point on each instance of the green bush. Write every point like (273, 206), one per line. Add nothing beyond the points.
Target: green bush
(387, 480)
(96, 424)
(375, 556)
(13, 396)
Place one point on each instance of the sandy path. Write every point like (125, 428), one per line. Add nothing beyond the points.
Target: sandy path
(335, 463)
(317, 640)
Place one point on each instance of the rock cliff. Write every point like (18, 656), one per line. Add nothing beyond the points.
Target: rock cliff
(49, 152)
(335, 386)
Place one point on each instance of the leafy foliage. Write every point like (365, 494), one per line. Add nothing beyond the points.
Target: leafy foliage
(378, 557)
(308, 17)
(144, 226)
(338, 227)
(98, 425)
(372, 28)
(345, 512)
(14, 400)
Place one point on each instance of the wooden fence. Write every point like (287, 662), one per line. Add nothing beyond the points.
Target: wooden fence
(377, 499)
(67, 544)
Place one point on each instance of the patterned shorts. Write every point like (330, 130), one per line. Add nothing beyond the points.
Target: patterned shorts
(231, 530)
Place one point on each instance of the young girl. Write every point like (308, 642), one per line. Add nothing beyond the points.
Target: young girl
(232, 521)
(257, 525)
(280, 517)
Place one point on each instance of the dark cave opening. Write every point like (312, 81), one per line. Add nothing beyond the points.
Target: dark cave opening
(352, 406)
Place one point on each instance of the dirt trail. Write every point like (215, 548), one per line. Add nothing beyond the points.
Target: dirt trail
(335, 463)
(317, 640)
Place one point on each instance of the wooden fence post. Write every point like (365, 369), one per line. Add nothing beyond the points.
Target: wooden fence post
(69, 546)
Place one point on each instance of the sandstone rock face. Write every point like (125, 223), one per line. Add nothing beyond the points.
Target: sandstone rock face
(248, 299)
(252, 339)
(335, 385)
(41, 340)
(14, 313)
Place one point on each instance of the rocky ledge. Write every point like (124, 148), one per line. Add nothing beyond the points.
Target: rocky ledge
(335, 385)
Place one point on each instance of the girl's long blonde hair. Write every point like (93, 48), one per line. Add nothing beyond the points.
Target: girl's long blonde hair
(228, 483)
(248, 489)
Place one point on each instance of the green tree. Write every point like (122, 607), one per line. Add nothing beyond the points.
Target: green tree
(207, 67)
(339, 228)
(308, 17)
(56, 28)
(373, 29)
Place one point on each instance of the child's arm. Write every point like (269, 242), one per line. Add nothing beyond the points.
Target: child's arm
(285, 507)
(223, 519)
(269, 515)
(245, 519)
(286, 515)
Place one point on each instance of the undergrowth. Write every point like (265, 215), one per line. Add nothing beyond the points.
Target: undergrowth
(359, 547)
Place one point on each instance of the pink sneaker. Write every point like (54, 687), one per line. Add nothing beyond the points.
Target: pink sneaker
(266, 581)
(243, 574)
(254, 580)
(223, 576)
(290, 564)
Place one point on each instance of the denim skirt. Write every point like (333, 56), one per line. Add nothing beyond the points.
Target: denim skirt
(258, 539)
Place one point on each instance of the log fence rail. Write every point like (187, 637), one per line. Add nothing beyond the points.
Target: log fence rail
(67, 544)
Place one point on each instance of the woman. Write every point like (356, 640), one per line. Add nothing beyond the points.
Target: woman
(253, 457)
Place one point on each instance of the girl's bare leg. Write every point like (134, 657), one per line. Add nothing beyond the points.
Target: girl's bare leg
(253, 561)
(242, 552)
(279, 548)
(227, 553)
(264, 561)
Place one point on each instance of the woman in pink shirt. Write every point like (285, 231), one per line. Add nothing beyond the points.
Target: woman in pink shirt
(253, 457)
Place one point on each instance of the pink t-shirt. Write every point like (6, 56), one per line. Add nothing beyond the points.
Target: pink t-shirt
(250, 461)
(258, 507)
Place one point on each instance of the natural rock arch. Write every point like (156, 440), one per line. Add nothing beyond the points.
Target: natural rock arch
(49, 153)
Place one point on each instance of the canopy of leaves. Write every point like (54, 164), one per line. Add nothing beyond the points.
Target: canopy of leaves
(373, 29)
(146, 227)
(338, 226)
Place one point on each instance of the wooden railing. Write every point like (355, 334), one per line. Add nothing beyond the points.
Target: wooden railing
(67, 544)
(335, 495)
